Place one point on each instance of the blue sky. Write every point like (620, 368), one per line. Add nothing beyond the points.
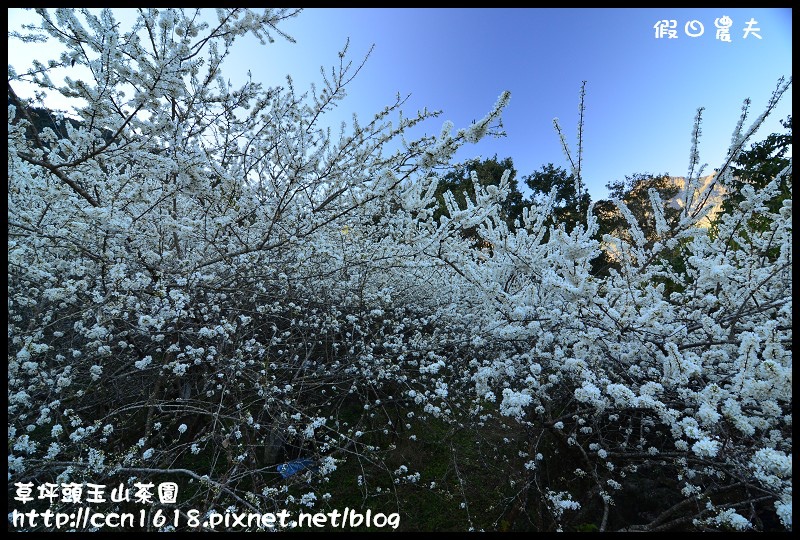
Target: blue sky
(641, 94)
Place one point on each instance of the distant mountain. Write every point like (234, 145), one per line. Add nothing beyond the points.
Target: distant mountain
(42, 118)
(715, 199)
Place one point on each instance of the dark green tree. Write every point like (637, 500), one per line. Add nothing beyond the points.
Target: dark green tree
(569, 208)
(758, 166)
(459, 181)
(634, 192)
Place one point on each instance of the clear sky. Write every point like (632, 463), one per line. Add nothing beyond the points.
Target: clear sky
(641, 93)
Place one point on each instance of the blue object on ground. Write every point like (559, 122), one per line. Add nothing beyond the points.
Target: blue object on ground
(295, 466)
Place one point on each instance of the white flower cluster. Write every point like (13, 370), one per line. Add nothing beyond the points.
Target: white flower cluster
(561, 501)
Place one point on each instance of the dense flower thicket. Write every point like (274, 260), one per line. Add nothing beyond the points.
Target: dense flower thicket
(204, 282)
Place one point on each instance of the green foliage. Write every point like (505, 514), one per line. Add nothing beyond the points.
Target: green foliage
(633, 191)
(756, 167)
(569, 208)
(489, 172)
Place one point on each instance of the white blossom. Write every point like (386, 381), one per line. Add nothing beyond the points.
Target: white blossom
(706, 447)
